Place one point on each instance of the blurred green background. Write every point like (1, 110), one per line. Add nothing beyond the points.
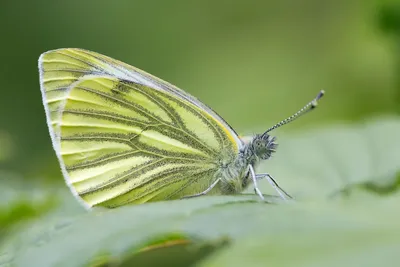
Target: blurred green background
(254, 62)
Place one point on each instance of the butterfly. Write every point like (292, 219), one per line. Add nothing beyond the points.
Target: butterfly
(123, 136)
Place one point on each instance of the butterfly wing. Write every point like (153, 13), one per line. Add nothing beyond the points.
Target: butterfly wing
(123, 136)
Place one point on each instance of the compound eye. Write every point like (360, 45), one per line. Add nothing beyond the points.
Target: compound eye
(258, 143)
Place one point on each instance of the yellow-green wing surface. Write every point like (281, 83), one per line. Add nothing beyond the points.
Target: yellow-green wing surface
(123, 136)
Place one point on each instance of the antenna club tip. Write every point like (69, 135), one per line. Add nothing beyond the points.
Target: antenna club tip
(310, 106)
(314, 103)
(321, 94)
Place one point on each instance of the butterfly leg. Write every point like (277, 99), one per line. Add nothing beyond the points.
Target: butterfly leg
(254, 177)
(205, 191)
(275, 185)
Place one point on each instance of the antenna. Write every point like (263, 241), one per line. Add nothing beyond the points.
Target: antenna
(310, 106)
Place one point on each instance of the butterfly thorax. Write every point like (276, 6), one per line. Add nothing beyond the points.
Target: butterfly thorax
(235, 176)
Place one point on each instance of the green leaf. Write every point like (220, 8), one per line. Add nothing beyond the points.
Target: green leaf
(345, 181)
(317, 165)
(345, 234)
(21, 205)
(124, 230)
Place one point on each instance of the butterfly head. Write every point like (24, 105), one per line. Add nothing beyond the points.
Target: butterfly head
(263, 146)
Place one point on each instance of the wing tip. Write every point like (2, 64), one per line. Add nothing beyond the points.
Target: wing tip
(59, 50)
